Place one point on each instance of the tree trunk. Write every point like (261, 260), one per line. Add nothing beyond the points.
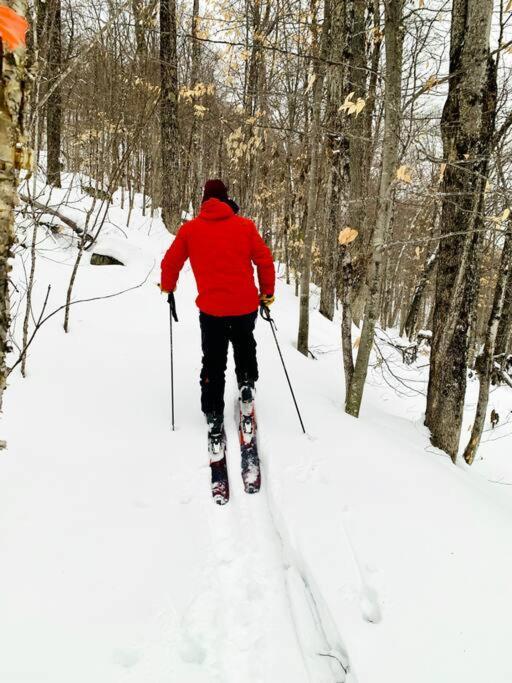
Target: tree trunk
(337, 147)
(412, 315)
(12, 99)
(140, 40)
(467, 126)
(394, 52)
(360, 135)
(170, 181)
(309, 233)
(54, 104)
(505, 325)
(197, 124)
(485, 362)
(346, 319)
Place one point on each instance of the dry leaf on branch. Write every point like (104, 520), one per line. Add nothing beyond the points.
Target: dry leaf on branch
(430, 83)
(404, 174)
(353, 107)
(504, 216)
(347, 235)
(311, 82)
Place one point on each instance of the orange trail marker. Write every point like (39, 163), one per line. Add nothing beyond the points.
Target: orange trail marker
(13, 28)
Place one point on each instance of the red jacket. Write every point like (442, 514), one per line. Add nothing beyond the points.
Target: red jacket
(221, 247)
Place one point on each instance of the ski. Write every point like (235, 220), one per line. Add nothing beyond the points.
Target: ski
(251, 471)
(218, 466)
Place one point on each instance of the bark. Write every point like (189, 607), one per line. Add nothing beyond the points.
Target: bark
(12, 100)
(505, 324)
(54, 103)
(360, 135)
(467, 127)
(260, 23)
(394, 55)
(414, 309)
(337, 148)
(169, 129)
(140, 40)
(309, 232)
(197, 126)
(346, 319)
(485, 363)
(28, 308)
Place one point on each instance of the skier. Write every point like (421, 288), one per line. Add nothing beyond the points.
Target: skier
(222, 247)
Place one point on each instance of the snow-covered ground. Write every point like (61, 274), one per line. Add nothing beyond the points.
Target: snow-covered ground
(366, 551)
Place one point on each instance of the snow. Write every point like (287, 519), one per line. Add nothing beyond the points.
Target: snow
(366, 549)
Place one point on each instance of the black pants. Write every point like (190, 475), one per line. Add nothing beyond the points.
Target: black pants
(216, 333)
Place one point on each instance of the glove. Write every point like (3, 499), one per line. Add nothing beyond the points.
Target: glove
(267, 300)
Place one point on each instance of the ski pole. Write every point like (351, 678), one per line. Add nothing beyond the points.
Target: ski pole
(265, 314)
(172, 314)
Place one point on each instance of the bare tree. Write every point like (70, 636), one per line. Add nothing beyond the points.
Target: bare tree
(467, 128)
(317, 79)
(394, 33)
(170, 180)
(54, 104)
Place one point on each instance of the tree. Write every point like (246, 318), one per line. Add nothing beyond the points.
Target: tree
(12, 100)
(467, 126)
(169, 128)
(54, 104)
(337, 148)
(394, 37)
(317, 79)
(485, 362)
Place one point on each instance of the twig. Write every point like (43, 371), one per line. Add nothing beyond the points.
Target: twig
(328, 654)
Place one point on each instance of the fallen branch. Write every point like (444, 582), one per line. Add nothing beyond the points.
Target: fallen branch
(502, 374)
(53, 212)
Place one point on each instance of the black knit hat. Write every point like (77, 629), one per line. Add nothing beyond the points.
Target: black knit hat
(215, 189)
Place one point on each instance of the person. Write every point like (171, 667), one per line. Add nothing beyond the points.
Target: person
(222, 247)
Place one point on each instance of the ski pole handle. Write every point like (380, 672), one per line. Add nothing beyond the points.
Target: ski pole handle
(172, 303)
(265, 312)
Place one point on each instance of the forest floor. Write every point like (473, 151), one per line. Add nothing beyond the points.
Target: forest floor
(366, 549)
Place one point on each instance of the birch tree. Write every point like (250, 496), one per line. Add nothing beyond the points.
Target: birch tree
(12, 142)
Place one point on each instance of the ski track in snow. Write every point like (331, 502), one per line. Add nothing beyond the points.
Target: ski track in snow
(315, 628)
(266, 613)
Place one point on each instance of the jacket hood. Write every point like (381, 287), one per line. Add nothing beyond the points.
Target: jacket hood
(215, 210)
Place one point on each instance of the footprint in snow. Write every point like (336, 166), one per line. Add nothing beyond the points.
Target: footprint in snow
(127, 658)
(369, 604)
(190, 650)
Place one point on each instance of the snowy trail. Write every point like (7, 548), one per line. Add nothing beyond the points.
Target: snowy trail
(116, 565)
(229, 614)
(264, 624)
